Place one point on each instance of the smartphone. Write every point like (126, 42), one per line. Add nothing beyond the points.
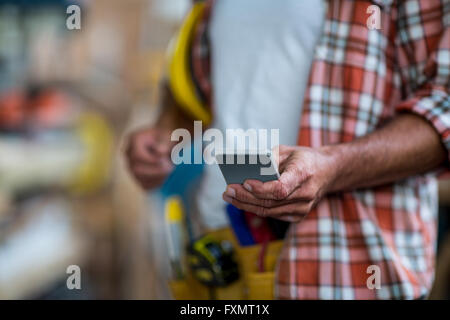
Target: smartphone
(238, 166)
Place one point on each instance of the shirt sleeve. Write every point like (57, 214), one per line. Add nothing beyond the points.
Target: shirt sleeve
(423, 53)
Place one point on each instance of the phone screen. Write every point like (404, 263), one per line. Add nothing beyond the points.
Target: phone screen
(239, 167)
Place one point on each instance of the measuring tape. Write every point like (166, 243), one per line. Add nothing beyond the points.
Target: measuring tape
(212, 262)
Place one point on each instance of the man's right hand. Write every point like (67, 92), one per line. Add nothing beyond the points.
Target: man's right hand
(148, 156)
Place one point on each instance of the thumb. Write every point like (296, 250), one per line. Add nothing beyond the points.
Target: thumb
(284, 152)
(162, 147)
(163, 144)
(290, 180)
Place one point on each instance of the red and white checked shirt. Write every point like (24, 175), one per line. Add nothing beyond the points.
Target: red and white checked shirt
(359, 79)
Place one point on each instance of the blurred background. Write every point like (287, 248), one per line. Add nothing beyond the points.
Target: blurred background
(67, 100)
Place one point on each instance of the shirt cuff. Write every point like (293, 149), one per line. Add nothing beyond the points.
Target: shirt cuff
(434, 106)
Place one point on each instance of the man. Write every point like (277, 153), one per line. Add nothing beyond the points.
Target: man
(359, 185)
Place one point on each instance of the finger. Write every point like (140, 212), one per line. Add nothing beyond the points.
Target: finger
(148, 156)
(303, 193)
(148, 147)
(162, 148)
(275, 190)
(144, 154)
(290, 209)
(290, 179)
(241, 194)
(284, 152)
(272, 190)
(280, 153)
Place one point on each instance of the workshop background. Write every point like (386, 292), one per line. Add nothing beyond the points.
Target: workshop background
(67, 100)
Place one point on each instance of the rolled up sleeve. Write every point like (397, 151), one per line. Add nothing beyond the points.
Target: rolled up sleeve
(423, 54)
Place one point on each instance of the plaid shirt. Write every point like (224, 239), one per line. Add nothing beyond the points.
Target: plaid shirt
(359, 79)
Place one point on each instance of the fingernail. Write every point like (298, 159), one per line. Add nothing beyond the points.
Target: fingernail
(230, 192)
(227, 198)
(248, 187)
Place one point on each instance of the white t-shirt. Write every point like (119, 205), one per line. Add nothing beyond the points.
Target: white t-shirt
(261, 53)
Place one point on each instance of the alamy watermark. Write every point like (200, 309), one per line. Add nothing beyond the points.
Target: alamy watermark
(374, 20)
(73, 281)
(253, 142)
(73, 21)
(374, 280)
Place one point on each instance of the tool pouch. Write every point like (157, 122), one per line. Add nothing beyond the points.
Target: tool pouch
(252, 284)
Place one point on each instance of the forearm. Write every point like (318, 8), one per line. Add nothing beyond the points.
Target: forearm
(406, 146)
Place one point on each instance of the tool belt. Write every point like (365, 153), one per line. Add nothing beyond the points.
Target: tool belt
(252, 284)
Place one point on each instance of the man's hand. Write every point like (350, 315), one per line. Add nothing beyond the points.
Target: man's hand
(305, 176)
(406, 146)
(148, 155)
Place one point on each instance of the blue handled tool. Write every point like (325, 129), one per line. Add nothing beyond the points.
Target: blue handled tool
(239, 225)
